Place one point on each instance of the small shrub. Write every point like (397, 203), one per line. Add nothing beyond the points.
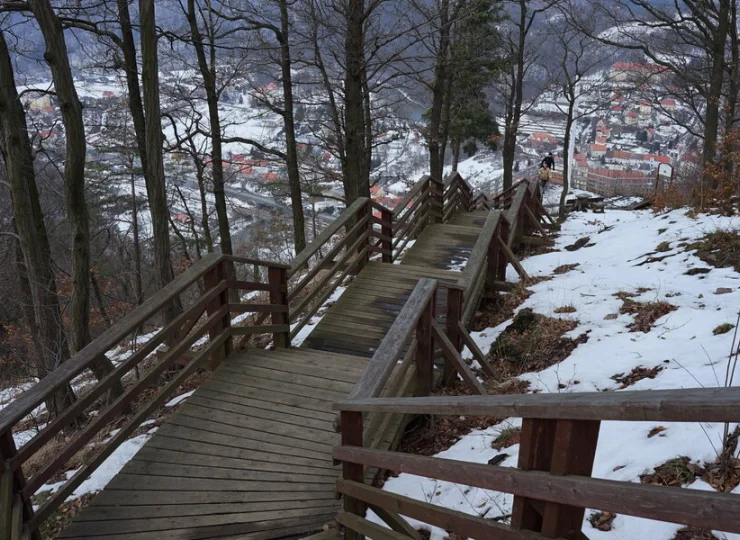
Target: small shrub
(719, 249)
(507, 437)
(723, 329)
(675, 472)
(663, 247)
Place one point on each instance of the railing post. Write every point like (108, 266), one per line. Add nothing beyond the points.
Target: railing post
(500, 258)
(14, 508)
(278, 279)
(436, 200)
(351, 427)
(560, 447)
(211, 280)
(454, 315)
(386, 229)
(425, 350)
(364, 247)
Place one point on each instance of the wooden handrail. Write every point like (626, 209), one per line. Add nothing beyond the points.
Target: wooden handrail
(398, 337)
(477, 259)
(32, 398)
(683, 405)
(318, 242)
(413, 192)
(707, 510)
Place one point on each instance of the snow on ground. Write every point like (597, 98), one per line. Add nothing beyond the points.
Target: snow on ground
(681, 342)
(105, 473)
(480, 170)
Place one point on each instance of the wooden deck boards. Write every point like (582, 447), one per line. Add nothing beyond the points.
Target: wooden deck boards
(361, 317)
(248, 456)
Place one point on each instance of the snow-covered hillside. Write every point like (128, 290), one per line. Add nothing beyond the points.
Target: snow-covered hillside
(681, 346)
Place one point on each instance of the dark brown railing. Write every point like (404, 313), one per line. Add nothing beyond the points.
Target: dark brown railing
(290, 295)
(205, 321)
(552, 485)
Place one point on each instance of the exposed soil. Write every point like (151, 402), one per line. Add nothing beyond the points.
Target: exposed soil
(697, 271)
(429, 435)
(719, 249)
(578, 244)
(63, 516)
(644, 313)
(532, 342)
(498, 309)
(637, 374)
(657, 430)
(565, 268)
(602, 520)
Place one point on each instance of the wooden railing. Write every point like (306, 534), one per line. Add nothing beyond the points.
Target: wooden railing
(205, 321)
(422, 205)
(458, 196)
(290, 297)
(552, 485)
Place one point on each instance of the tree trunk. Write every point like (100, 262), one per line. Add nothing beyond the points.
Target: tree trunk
(74, 181)
(128, 48)
(512, 127)
(566, 158)
(367, 141)
(46, 326)
(353, 102)
(456, 144)
(714, 99)
(438, 93)
(205, 225)
(138, 288)
(208, 73)
(156, 189)
(291, 148)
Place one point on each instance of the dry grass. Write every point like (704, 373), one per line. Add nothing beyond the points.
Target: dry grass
(565, 268)
(63, 516)
(602, 521)
(565, 309)
(532, 342)
(657, 430)
(675, 472)
(720, 249)
(644, 313)
(637, 374)
(507, 437)
(429, 435)
(691, 533)
(499, 309)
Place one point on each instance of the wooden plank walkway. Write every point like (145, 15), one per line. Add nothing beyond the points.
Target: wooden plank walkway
(360, 318)
(248, 455)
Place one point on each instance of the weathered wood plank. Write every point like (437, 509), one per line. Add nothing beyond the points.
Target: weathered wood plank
(367, 529)
(707, 510)
(399, 335)
(105, 513)
(457, 362)
(682, 405)
(463, 524)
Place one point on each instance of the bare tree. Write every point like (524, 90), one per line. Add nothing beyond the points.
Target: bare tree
(688, 40)
(155, 177)
(523, 55)
(576, 56)
(45, 327)
(74, 179)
